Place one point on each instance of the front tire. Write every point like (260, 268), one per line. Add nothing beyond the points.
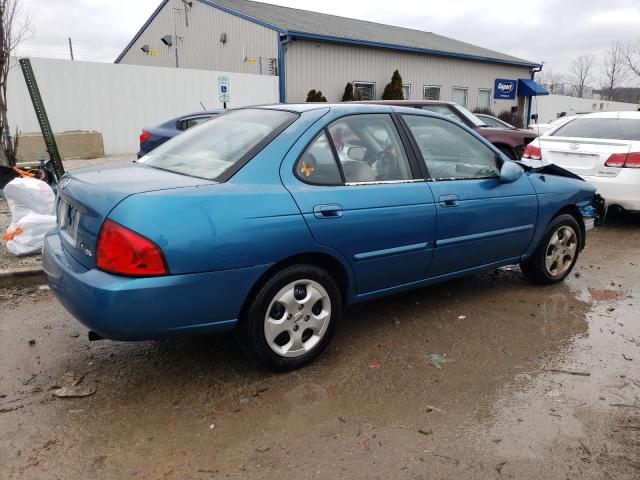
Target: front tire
(556, 254)
(291, 318)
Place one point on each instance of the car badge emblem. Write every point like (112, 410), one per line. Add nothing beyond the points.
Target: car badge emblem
(574, 146)
(64, 182)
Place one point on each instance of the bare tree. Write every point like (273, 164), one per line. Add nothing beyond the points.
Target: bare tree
(631, 57)
(582, 73)
(550, 80)
(14, 28)
(613, 67)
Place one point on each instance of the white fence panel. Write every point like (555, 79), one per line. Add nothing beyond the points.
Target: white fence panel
(548, 107)
(119, 100)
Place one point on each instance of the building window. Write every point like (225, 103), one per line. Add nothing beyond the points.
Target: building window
(367, 89)
(406, 91)
(460, 96)
(431, 92)
(484, 99)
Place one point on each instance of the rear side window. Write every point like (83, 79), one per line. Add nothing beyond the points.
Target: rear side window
(450, 152)
(604, 128)
(317, 164)
(214, 149)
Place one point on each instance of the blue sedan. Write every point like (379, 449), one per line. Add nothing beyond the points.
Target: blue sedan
(153, 137)
(267, 221)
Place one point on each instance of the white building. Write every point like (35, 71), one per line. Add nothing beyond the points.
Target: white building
(310, 50)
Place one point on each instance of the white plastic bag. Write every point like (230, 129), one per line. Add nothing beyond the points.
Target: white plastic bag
(27, 235)
(29, 195)
(32, 204)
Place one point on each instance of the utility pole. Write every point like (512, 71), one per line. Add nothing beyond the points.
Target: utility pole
(70, 48)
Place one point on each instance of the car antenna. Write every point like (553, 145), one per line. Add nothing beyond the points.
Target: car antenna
(203, 107)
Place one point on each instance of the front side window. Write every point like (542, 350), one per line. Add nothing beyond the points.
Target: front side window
(450, 152)
(460, 96)
(369, 149)
(366, 89)
(431, 92)
(215, 147)
(317, 164)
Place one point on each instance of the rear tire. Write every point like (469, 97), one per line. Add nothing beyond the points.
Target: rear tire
(291, 318)
(556, 253)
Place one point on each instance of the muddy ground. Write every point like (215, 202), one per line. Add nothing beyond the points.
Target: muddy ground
(503, 406)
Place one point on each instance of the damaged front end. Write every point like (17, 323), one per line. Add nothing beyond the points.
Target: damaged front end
(594, 211)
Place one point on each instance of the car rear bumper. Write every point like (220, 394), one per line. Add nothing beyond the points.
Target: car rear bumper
(121, 308)
(622, 190)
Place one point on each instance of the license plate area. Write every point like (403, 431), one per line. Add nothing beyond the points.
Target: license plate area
(68, 220)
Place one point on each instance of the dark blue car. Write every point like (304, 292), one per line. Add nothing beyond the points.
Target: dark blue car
(269, 220)
(153, 137)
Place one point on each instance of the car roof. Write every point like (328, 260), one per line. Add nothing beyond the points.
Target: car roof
(623, 114)
(378, 105)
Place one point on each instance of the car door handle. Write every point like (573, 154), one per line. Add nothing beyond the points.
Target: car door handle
(327, 211)
(449, 200)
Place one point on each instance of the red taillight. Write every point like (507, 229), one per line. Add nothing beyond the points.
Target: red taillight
(144, 136)
(623, 160)
(532, 152)
(124, 252)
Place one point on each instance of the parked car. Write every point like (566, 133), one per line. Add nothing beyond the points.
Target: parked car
(494, 122)
(603, 148)
(542, 128)
(509, 142)
(268, 220)
(153, 137)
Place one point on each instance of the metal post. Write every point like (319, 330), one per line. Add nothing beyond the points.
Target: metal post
(41, 115)
(70, 48)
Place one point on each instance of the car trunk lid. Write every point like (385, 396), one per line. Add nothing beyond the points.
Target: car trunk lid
(583, 156)
(87, 196)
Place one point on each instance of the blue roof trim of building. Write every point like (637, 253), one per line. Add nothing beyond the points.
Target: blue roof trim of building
(439, 53)
(244, 16)
(142, 29)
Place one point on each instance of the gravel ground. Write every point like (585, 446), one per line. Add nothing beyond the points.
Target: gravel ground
(10, 261)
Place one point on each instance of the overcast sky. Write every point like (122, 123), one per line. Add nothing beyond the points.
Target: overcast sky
(541, 30)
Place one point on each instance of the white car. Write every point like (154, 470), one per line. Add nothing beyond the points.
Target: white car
(603, 148)
(542, 128)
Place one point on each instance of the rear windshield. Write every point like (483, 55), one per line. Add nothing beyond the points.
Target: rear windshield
(213, 148)
(605, 128)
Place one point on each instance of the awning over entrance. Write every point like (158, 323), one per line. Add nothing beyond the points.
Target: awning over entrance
(529, 88)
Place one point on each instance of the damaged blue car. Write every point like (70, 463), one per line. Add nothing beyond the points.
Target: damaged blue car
(267, 221)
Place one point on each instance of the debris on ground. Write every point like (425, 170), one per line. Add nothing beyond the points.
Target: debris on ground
(461, 317)
(260, 391)
(425, 432)
(75, 391)
(436, 360)
(375, 365)
(29, 379)
(606, 295)
(628, 359)
(32, 342)
(68, 379)
(499, 467)
(570, 372)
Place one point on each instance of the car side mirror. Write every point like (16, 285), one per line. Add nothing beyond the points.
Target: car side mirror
(357, 153)
(510, 172)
